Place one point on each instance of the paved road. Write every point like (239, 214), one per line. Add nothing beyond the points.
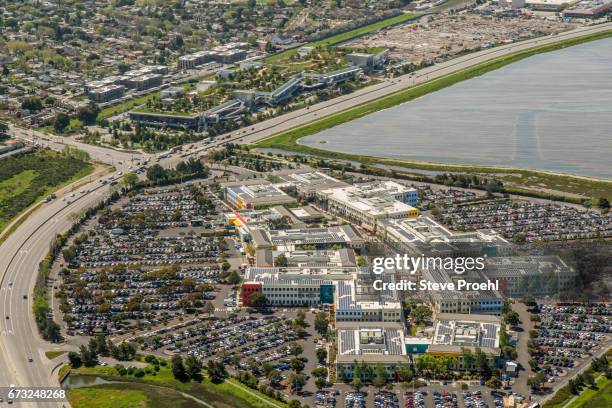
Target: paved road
(302, 116)
(22, 251)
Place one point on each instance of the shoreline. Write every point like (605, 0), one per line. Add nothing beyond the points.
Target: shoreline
(288, 141)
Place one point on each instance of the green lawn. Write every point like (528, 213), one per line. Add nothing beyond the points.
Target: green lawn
(346, 36)
(128, 396)
(225, 395)
(16, 184)
(54, 354)
(523, 178)
(595, 398)
(27, 179)
(116, 109)
(559, 399)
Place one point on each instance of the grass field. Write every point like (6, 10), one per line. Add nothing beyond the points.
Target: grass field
(595, 398)
(345, 36)
(522, 179)
(228, 394)
(54, 354)
(26, 179)
(128, 396)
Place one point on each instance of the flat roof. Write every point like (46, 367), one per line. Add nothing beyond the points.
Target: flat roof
(372, 342)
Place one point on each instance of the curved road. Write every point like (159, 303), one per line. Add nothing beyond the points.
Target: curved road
(23, 250)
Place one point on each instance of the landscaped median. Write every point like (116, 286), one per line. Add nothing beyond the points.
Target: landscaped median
(583, 186)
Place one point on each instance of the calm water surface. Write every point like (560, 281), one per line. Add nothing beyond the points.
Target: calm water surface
(552, 111)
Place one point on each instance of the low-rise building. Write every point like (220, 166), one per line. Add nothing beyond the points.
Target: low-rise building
(107, 93)
(534, 275)
(456, 333)
(588, 9)
(307, 182)
(308, 238)
(368, 62)
(370, 203)
(487, 301)
(256, 196)
(369, 343)
(423, 235)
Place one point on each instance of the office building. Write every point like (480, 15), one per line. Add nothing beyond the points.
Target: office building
(370, 343)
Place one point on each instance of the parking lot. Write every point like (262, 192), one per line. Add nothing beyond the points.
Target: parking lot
(432, 396)
(568, 335)
(533, 221)
(151, 256)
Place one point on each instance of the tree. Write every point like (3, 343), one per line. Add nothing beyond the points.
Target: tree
(293, 403)
(356, 383)
(321, 323)
(482, 364)
(52, 331)
(280, 261)
(381, 376)
(320, 382)
(88, 114)
(233, 278)
(405, 374)
(193, 367)
(32, 104)
(156, 173)
(88, 357)
(258, 300)
(297, 364)
(512, 318)
(295, 349)
(494, 383)
(216, 371)
(604, 203)
(3, 129)
(300, 319)
(296, 381)
(130, 179)
(420, 314)
(61, 122)
(208, 308)
(75, 359)
(275, 377)
(178, 369)
(69, 254)
(100, 344)
(321, 355)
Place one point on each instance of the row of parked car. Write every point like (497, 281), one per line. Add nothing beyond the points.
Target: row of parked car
(415, 399)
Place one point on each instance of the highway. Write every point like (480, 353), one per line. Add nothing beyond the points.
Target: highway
(24, 249)
(282, 123)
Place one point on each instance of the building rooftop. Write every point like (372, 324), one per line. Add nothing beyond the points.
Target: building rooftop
(525, 265)
(456, 331)
(371, 342)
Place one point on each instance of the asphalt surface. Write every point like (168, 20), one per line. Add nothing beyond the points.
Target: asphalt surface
(23, 250)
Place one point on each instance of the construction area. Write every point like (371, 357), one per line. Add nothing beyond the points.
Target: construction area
(439, 37)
